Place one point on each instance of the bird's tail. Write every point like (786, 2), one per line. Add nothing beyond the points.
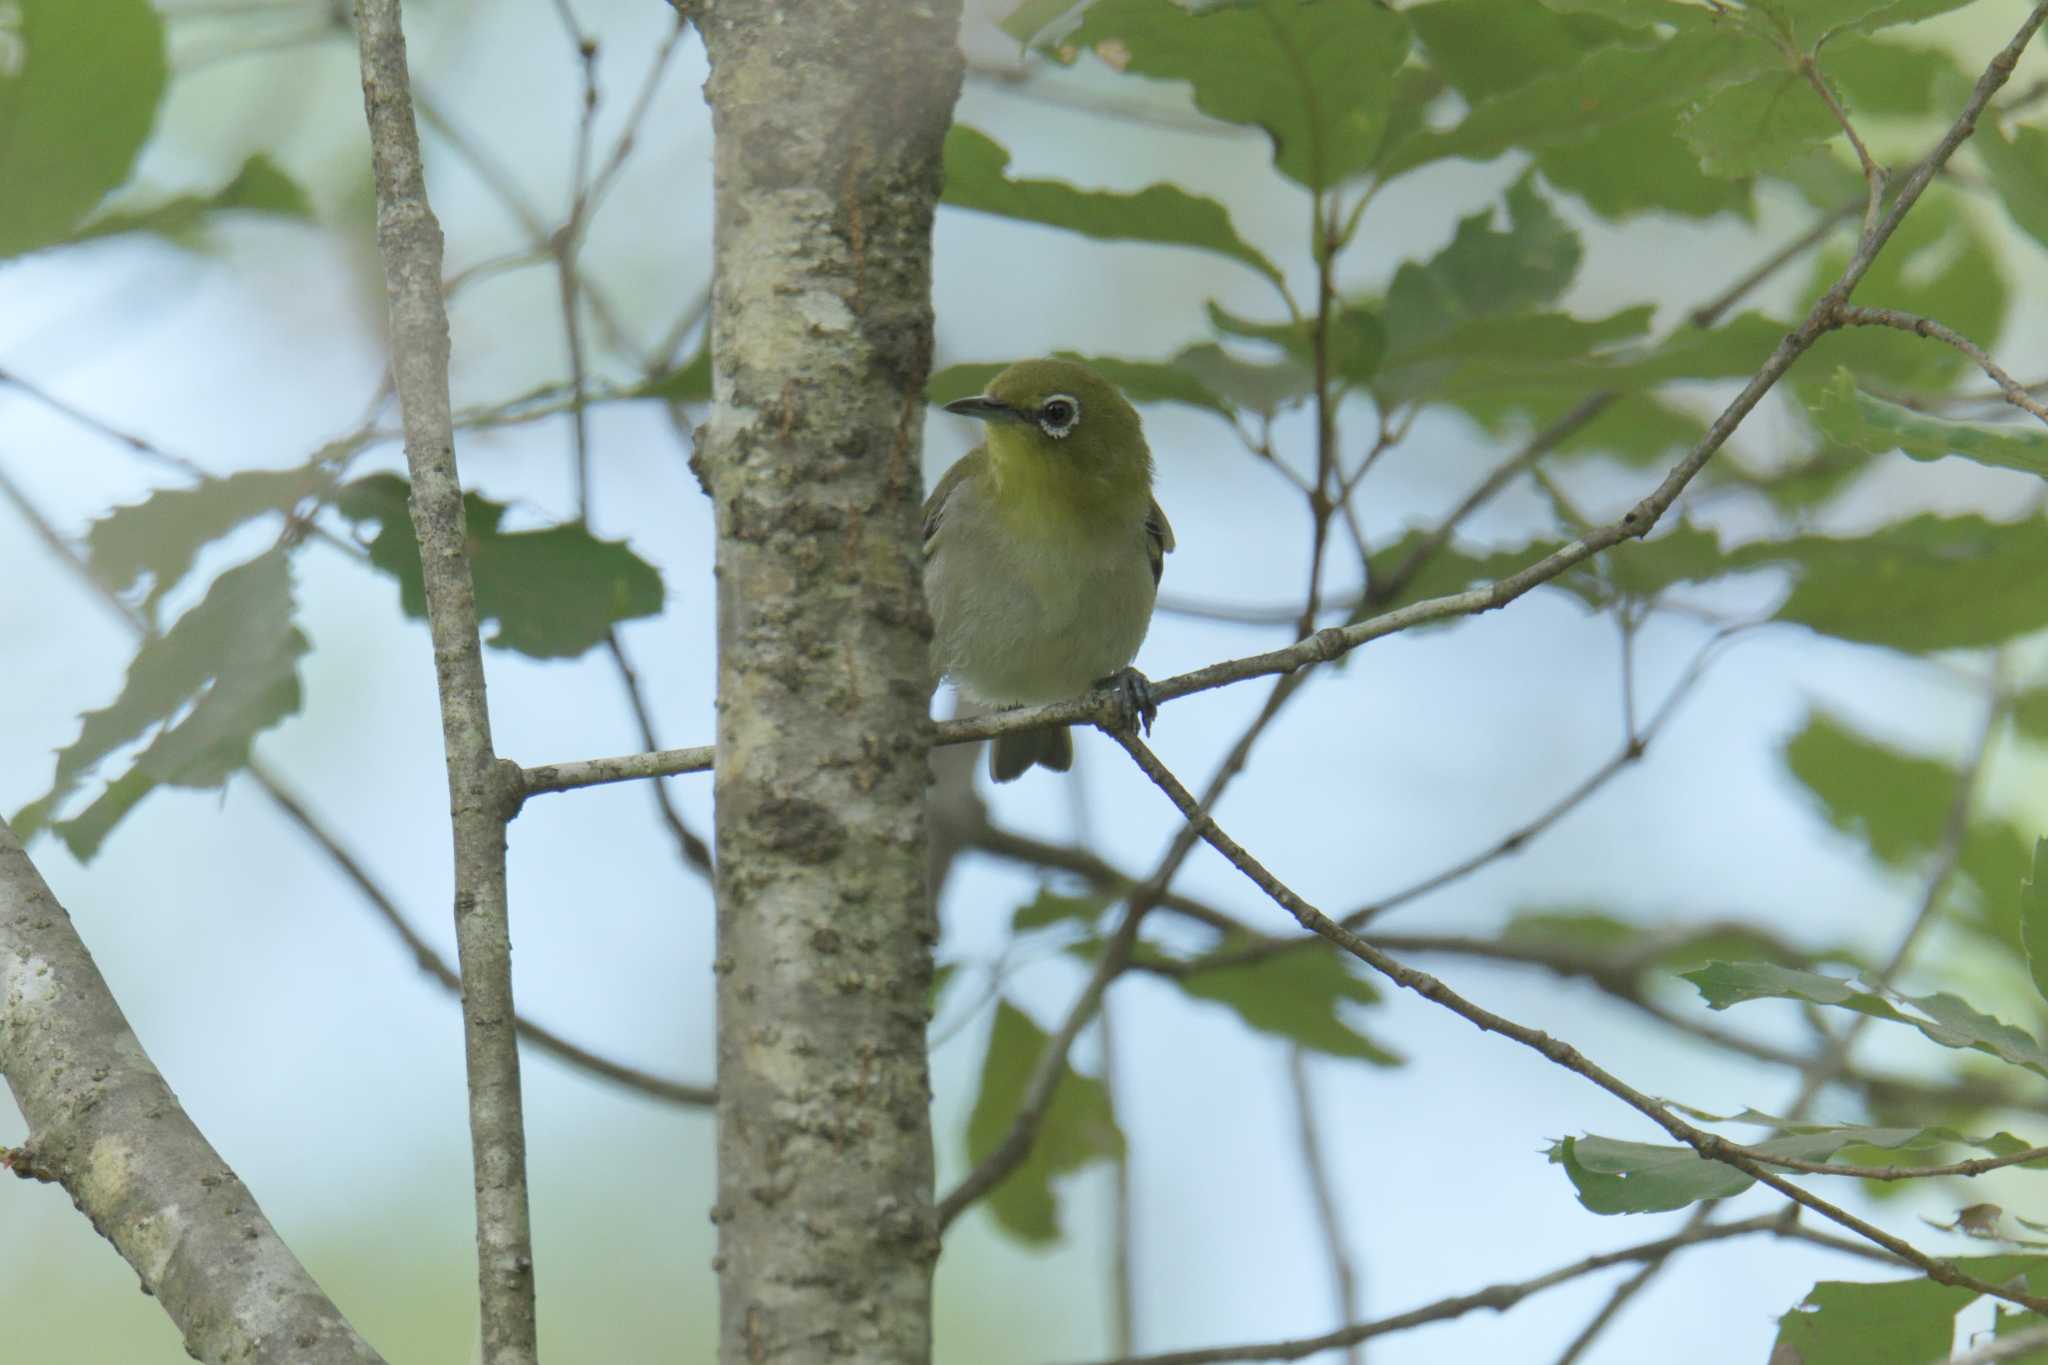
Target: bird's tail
(1010, 755)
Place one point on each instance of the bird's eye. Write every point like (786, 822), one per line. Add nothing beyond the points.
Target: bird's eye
(1058, 414)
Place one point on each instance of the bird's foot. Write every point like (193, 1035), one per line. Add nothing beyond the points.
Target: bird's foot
(1137, 707)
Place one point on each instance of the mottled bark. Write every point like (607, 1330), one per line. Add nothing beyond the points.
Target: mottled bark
(482, 795)
(103, 1123)
(829, 120)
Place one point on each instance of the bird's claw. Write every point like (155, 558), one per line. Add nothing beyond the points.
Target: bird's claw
(1137, 707)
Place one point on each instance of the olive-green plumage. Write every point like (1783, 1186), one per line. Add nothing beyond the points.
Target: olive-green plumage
(1043, 549)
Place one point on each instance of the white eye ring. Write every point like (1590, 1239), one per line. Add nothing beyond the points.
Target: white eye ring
(1059, 415)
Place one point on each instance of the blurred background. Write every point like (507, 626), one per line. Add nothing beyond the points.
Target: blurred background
(297, 1029)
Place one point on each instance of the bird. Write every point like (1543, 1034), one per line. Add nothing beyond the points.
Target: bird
(1043, 551)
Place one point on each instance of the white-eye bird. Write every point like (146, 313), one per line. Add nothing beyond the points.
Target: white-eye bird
(1043, 549)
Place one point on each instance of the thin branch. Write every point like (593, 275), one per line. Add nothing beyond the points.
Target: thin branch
(1707, 1144)
(2001, 1348)
(482, 795)
(1343, 1276)
(136, 444)
(1873, 174)
(695, 852)
(1499, 1298)
(2009, 388)
(1709, 313)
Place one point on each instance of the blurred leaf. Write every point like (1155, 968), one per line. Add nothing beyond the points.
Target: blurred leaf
(1142, 381)
(1636, 429)
(1246, 384)
(1642, 166)
(2016, 173)
(1639, 1177)
(1921, 584)
(1483, 273)
(1029, 19)
(1299, 996)
(1488, 47)
(1316, 75)
(1809, 21)
(226, 671)
(1356, 342)
(162, 535)
(554, 593)
(1894, 803)
(977, 178)
(1683, 554)
(1889, 78)
(1840, 1323)
(689, 384)
(2030, 714)
(1046, 908)
(1855, 419)
(2034, 918)
(79, 86)
(1942, 1018)
(1758, 124)
(259, 187)
(1939, 265)
(1678, 61)
(1449, 569)
(1079, 1127)
(1490, 356)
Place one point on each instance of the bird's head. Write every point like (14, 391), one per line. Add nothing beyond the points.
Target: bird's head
(1063, 415)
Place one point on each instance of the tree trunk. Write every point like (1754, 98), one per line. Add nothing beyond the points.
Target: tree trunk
(829, 120)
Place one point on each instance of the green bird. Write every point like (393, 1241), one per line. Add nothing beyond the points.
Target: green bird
(1043, 548)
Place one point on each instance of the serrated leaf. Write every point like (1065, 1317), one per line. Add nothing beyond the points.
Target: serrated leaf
(258, 187)
(1683, 58)
(1840, 1323)
(1318, 76)
(1925, 583)
(1942, 1018)
(161, 536)
(1298, 996)
(1757, 125)
(2016, 173)
(977, 178)
(79, 87)
(2034, 918)
(223, 673)
(1483, 273)
(553, 593)
(1853, 418)
(1079, 1127)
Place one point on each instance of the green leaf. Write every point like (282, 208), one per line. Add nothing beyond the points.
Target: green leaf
(1142, 381)
(1030, 19)
(1639, 1177)
(1254, 387)
(161, 536)
(2034, 918)
(1894, 803)
(1079, 1127)
(1811, 21)
(1855, 419)
(1941, 1018)
(1921, 584)
(259, 187)
(1890, 79)
(1483, 273)
(1840, 1323)
(1642, 166)
(689, 384)
(977, 178)
(1682, 59)
(1298, 996)
(1317, 75)
(2016, 174)
(1488, 47)
(1513, 355)
(1757, 125)
(1449, 569)
(226, 671)
(1046, 908)
(553, 593)
(79, 86)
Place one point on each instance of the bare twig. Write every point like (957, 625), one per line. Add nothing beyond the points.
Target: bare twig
(482, 796)
(1343, 1275)
(2010, 389)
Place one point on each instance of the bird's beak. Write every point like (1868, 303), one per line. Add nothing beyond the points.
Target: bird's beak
(986, 408)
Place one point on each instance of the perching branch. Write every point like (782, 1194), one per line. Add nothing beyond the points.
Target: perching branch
(103, 1123)
(2011, 389)
(480, 796)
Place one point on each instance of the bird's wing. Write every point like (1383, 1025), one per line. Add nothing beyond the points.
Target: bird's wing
(1158, 538)
(935, 505)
